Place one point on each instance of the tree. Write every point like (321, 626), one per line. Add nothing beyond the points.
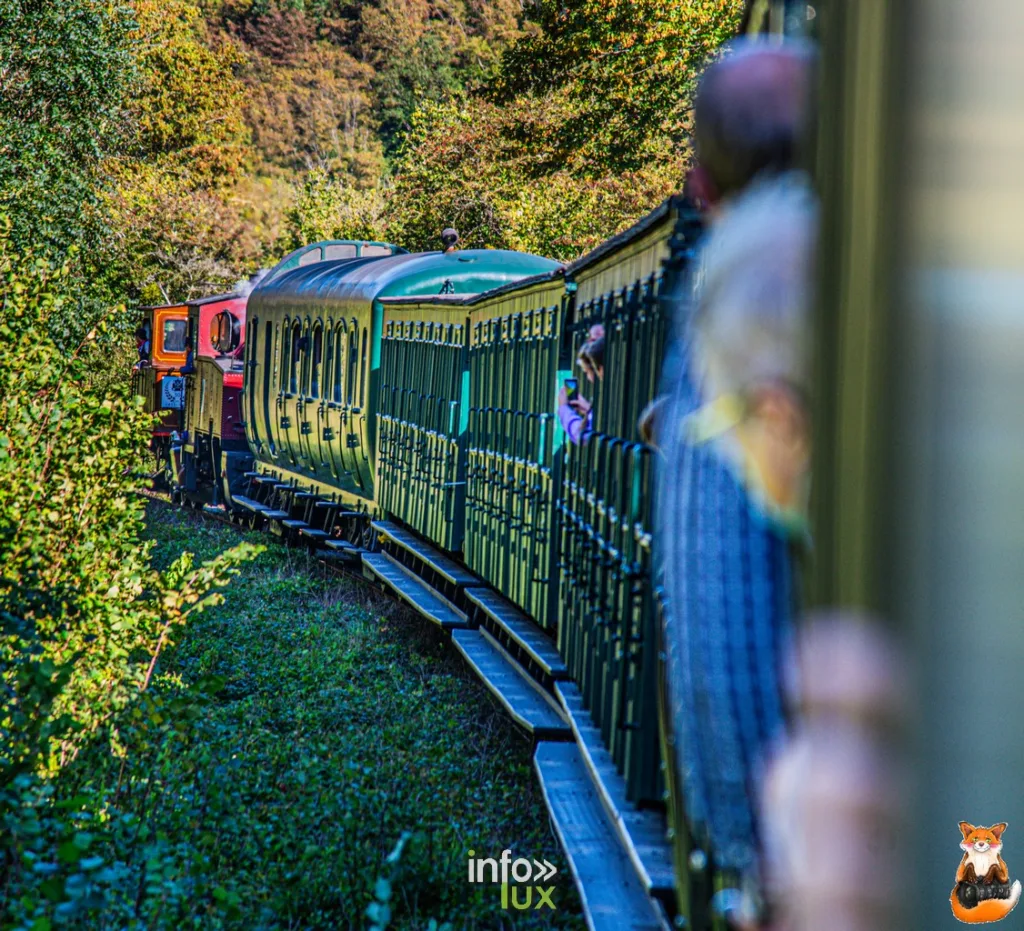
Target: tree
(64, 71)
(582, 131)
(327, 208)
(626, 67)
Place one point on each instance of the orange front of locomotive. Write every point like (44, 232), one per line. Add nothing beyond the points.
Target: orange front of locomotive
(160, 340)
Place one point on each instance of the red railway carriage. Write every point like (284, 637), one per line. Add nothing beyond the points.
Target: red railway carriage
(211, 451)
(157, 378)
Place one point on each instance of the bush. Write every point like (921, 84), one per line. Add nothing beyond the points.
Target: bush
(84, 617)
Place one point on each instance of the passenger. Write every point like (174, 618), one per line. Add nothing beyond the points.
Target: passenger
(845, 767)
(449, 240)
(577, 416)
(736, 444)
(142, 342)
(650, 420)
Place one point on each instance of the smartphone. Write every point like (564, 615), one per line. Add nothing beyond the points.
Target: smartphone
(572, 389)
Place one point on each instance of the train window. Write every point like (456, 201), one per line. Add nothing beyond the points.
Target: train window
(293, 364)
(326, 389)
(225, 332)
(269, 354)
(311, 257)
(340, 251)
(339, 366)
(317, 360)
(364, 373)
(281, 337)
(304, 364)
(174, 335)
(353, 360)
(370, 250)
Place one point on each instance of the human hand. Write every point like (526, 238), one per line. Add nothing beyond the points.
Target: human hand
(581, 405)
(563, 397)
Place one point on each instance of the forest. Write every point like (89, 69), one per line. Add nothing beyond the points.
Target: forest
(154, 151)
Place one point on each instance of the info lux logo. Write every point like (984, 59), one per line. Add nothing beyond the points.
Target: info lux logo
(522, 871)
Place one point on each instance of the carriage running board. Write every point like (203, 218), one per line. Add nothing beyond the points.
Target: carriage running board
(413, 590)
(524, 633)
(425, 553)
(521, 697)
(249, 504)
(612, 895)
(641, 832)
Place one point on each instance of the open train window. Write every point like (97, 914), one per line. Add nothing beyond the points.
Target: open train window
(295, 349)
(364, 372)
(338, 375)
(328, 376)
(282, 337)
(317, 360)
(305, 365)
(353, 361)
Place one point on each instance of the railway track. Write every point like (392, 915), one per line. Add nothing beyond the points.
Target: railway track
(619, 857)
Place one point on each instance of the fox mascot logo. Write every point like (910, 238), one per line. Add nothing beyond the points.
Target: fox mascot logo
(983, 891)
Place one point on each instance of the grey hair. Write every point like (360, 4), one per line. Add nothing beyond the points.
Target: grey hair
(751, 322)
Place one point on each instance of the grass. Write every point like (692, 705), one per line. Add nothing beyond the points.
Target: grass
(337, 722)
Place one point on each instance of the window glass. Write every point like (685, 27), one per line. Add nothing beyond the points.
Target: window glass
(340, 251)
(174, 335)
(370, 250)
(310, 257)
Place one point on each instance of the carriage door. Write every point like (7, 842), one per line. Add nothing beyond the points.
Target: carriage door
(361, 419)
(351, 411)
(312, 391)
(325, 408)
(265, 384)
(250, 385)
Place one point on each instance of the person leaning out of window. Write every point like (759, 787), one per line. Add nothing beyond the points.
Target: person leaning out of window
(577, 416)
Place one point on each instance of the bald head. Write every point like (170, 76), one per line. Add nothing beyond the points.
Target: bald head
(752, 109)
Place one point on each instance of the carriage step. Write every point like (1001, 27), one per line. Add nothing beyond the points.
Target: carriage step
(642, 833)
(275, 515)
(413, 590)
(523, 632)
(434, 559)
(267, 480)
(343, 546)
(304, 495)
(313, 533)
(521, 697)
(328, 504)
(218, 509)
(294, 524)
(612, 895)
(249, 504)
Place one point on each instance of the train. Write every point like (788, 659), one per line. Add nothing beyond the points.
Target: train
(396, 414)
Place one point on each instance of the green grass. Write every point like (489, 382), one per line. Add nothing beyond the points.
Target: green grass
(338, 721)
